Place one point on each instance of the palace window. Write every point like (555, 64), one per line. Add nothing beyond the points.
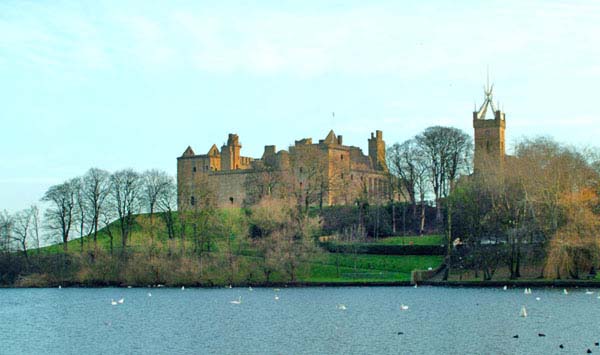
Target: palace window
(342, 157)
(194, 169)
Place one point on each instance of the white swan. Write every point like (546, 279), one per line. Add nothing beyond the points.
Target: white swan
(341, 307)
(149, 294)
(121, 301)
(250, 288)
(276, 298)
(565, 291)
(588, 292)
(505, 287)
(403, 307)
(523, 312)
(59, 286)
(537, 298)
(416, 286)
(238, 301)
(182, 288)
(113, 302)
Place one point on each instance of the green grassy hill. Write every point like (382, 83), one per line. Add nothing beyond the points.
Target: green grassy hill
(227, 258)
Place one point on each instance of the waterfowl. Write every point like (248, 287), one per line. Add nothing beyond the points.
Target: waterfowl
(113, 302)
(121, 301)
(238, 301)
(403, 307)
(523, 312)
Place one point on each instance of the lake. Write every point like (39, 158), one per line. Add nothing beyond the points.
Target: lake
(302, 321)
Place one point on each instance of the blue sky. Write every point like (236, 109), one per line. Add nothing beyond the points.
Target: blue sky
(116, 84)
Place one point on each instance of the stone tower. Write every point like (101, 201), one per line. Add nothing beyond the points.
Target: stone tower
(489, 124)
(377, 151)
(230, 153)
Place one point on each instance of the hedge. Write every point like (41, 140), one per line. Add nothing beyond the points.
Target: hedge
(371, 248)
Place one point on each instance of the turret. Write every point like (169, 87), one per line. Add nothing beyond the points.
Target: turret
(377, 151)
(230, 153)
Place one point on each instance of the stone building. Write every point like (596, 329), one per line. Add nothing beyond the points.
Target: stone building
(323, 173)
(489, 124)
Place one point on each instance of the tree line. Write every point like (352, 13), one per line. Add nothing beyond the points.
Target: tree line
(84, 205)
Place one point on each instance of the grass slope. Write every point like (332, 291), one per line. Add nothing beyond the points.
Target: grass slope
(321, 268)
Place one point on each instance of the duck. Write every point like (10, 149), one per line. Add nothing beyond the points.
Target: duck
(238, 301)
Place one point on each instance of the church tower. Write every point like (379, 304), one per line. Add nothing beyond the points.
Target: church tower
(489, 124)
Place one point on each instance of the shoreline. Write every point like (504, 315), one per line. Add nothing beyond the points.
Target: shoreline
(308, 284)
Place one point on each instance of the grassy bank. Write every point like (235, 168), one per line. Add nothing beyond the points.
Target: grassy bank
(220, 258)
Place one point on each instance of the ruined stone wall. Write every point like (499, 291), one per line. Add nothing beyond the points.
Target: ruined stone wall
(230, 187)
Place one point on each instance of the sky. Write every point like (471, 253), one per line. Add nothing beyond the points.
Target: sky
(119, 84)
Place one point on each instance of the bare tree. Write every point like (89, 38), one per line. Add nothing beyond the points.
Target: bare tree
(153, 185)
(81, 209)
(126, 193)
(35, 220)
(166, 203)
(6, 230)
(448, 152)
(60, 213)
(96, 187)
(22, 226)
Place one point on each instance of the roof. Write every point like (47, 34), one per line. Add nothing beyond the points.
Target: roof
(189, 152)
(331, 138)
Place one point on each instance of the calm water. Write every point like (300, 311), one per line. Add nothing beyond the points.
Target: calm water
(303, 321)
